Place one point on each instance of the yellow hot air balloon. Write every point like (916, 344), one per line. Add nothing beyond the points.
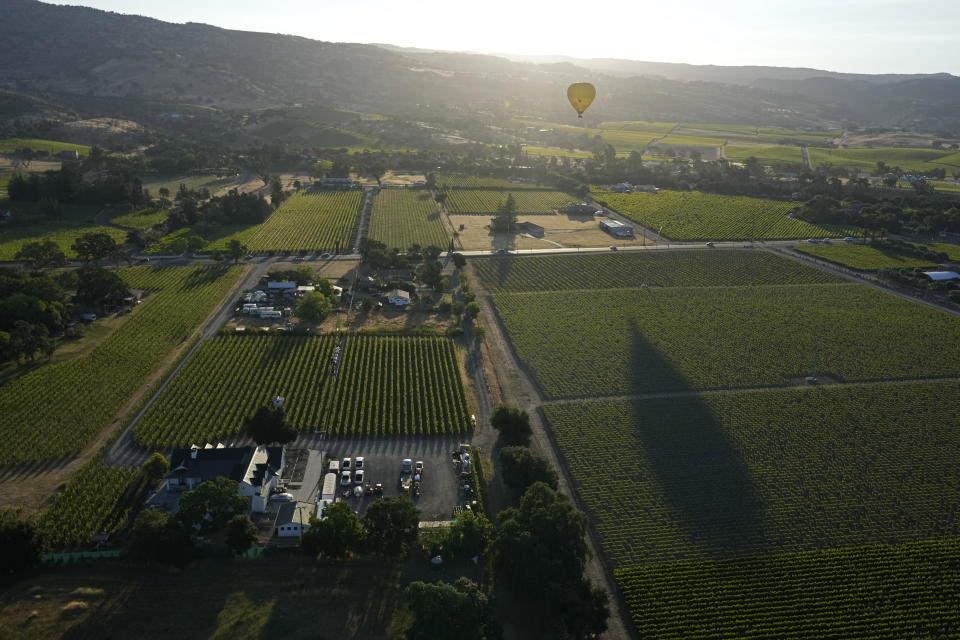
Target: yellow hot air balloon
(580, 95)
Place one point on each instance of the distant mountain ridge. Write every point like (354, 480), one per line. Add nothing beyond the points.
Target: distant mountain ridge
(56, 52)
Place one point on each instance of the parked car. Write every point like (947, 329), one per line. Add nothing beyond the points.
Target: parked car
(812, 240)
(848, 239)
(346, 479)
(346, 465)
(284, 497)
(358, 463)
(710, 244)
(418, 468)
(358, 476)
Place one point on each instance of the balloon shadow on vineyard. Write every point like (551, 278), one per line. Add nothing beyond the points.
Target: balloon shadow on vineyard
(702, 477)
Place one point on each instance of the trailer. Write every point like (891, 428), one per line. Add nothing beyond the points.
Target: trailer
(329, 490)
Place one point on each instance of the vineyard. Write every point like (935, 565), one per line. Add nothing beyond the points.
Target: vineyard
(382, 386)
(867, 159)
(772, 155)
(655, 269)
(730, 337)
(402, 218)
(487, 202)
(876, 591)
(708, 476)
(692, 215)
(865, 257)
(216, 237)
(89, 504)
(445, 182)
(310, 222)
(690, 141)
(56, 409)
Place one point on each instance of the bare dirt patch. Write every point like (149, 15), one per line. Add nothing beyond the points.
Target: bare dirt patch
(560, 230)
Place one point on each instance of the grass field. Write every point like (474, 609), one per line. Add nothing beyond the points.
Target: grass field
(866, 159)
(952, 160)
(56, 409)
(10, 145)
(772, 155)
(691, 268)
(555, 151)
(213, 600)
(676, 339)
(781, 471)
(487, 202)
(381, 386)
(76, 221)
(691, 141)
(141, 218)
(659, 128)
(401, 218)
(309, 222)
(866, 257)
(692, 215)
(871, 591)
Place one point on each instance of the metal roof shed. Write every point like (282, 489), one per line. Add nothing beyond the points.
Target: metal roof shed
(939, 276)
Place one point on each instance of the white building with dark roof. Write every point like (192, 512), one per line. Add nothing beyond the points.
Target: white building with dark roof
(256, 469)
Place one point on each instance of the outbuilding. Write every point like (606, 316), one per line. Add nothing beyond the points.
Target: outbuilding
(398, 297)
(942, 276)
(293, 518)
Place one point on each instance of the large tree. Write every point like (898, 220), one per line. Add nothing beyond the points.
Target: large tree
(313, 306)
(241, 533)
(21, 542)
(539, 555)
(211, 505)
(156, 467)
(522, 467)
(158, 537)
(42, 254)
(91, 247)
(337, 535)
(391, 526)
(469, 534)
(441, 610)
(513, 425)
(268, 425)
(505, 221)
(96, 285)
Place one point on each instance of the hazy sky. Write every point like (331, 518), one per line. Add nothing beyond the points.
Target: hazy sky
(866, 36)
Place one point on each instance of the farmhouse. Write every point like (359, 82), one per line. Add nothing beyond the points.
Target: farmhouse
(398, 297)
(256, 469)
(616, 228)
(293, 518)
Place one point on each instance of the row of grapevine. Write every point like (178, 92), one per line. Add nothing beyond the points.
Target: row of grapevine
(692, 215)
(445, 182)
(487, 202)
(310, 222)
(54, 410)
(709, 476)
(402, 218)
(384, 385)
(89, 505)
(654, 269)
(876, 591)
(647, 340)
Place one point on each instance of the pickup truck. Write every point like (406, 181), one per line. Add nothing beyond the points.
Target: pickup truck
(406, 474)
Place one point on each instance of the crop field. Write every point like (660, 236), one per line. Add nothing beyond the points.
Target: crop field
(952, 160)
(866, 159)
(691, 141)
(660, 128)
(624, 139)
(216, 237)
(141, 218)
(64, 234)
(554, 151)
(772, 155)
(705, 477)
(865, 257)
(384, 385)
(473, 182)
(193, 182)
(88, 505)
(691, 268)
(402, 218)
(486, 202)
(54, 410)
(309, 222)
(675, 339)
(693, 215)
(875, 591)
(10, 145)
